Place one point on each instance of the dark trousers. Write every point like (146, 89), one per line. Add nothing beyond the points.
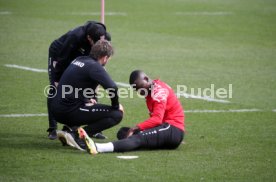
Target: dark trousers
(98, 117)
(51, 94)
(164, 136)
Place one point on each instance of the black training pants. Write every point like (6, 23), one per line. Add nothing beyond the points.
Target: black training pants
(51, 93)
(164, 136)
(98, 117)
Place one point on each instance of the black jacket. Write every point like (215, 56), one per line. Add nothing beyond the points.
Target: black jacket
(79, 82)
(68, 47)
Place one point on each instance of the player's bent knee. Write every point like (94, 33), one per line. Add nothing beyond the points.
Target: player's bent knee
(118, 116)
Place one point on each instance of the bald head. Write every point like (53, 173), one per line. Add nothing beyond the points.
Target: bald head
(140, 81)
(135, 75)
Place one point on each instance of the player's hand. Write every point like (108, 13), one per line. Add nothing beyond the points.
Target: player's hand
(121, 108)
(133, 130)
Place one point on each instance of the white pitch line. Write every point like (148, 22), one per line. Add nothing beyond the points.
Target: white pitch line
(99, 13)
(22, 115)
(25, 68)
(185, 95)
(223, 111)
(122, 84)
(204, 13)
(185, 111)
(5, 12)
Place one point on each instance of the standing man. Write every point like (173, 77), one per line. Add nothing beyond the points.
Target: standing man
(62, 51)
(75, 104)
(163, 130)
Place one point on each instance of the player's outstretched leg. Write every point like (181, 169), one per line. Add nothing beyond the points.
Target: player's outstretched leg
(124, 145)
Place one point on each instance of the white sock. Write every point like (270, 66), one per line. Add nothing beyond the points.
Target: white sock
(105, 147)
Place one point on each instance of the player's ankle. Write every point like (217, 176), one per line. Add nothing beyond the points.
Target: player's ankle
(105, 147)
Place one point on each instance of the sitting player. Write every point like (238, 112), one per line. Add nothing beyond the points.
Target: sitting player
(163, 130)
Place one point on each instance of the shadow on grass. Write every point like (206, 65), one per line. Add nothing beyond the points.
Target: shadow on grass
(40, 142)
(27, 141)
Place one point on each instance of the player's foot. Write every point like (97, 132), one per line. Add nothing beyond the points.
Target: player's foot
(99, 135)
(52, 135)
(71, 139)
(62, 138)
(90, 145)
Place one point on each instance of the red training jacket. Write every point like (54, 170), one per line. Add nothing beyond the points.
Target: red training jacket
(164, 107)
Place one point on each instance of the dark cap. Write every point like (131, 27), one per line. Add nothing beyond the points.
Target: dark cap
(96, 30)
(108, 36)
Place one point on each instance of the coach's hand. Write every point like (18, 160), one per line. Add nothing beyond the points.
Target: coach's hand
(56, 84)
(93, 101)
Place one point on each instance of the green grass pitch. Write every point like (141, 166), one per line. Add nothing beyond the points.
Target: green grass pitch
(191, 42)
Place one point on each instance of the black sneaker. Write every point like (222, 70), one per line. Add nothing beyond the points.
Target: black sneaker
(52, 134)
(72, 139)
(66, 128)
(99, 135)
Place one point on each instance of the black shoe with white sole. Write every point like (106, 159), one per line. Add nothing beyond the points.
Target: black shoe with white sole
(99, 135)
(52, 133)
